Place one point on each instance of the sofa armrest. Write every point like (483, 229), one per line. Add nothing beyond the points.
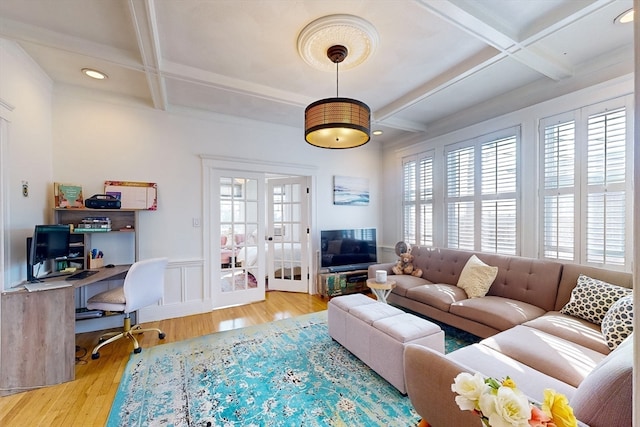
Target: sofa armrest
(387, 266)
(428, 377)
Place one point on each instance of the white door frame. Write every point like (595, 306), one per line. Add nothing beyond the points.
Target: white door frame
(209, 231)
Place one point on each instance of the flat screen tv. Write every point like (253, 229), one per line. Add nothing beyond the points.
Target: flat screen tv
(49, 242)
(348, 249)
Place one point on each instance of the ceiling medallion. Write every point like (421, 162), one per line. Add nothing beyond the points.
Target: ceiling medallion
(357, 35)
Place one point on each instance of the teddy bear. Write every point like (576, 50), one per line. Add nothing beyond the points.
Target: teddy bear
(405, 265)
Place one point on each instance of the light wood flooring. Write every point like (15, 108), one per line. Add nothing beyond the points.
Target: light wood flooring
(86, 401)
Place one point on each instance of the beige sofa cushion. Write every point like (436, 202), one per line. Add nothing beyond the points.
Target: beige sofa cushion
(492, 363)
(476, 277)
(551, 355)
(496, 312)
(440, 296)
(572, 329)
(406, 282)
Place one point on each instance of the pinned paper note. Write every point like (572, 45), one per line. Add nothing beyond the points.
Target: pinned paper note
(133, 195)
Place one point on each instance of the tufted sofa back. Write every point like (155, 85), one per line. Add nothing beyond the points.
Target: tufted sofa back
(529, 280)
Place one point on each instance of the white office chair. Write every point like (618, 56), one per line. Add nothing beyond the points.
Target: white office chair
(143, 286)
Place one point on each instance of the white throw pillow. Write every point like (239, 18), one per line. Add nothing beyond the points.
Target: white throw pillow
(618, 322)
(591, 298)
(476, 277)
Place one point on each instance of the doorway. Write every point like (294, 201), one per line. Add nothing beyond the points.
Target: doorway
(258, 219)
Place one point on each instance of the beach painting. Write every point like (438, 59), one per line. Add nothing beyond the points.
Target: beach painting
(350, 191)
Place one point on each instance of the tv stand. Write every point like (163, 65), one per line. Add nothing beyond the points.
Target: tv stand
(331, 284)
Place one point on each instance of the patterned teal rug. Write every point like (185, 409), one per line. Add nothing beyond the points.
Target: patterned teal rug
(285, 373)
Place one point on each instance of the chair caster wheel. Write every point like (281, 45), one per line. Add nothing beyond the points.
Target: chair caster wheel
(95, 356)
(137, 350)
(161, 335)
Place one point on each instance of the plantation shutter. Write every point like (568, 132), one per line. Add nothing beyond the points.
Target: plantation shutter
(409, 201)
(425, 185)
(460, 200)
(418, 199)
(498, 186)
(585, 214)
(558, 194)
(605, 228)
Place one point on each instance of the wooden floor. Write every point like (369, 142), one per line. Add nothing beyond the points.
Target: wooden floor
(86, 401)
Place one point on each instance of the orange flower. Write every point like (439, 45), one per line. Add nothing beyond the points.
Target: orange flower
(539, 418)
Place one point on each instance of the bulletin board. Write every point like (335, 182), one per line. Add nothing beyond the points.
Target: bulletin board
(134, 195)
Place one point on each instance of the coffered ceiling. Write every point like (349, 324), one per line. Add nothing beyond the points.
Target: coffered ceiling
(438, 65)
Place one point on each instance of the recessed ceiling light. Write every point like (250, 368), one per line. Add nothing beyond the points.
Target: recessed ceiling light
(94, 74)
(377, 132)
(625, 17)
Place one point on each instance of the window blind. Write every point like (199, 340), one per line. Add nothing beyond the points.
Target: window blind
(460, 202)
(418, 199)
(584, 187)
(481, 194)
(605, 229)
(559, 191)
(498, 183)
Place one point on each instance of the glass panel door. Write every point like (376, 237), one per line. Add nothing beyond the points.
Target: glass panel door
(240, 277)
(288, 235)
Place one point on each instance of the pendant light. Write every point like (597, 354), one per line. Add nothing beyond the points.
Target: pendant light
(337, 122)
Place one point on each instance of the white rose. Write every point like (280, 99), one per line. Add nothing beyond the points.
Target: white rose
(506, 408)
(469, 389)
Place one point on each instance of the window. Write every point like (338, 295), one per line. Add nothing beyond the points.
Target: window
(584, 185)
(418, 199)
(558, 188)
(481, 193)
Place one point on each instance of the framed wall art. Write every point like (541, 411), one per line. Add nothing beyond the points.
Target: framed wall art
(350, 191)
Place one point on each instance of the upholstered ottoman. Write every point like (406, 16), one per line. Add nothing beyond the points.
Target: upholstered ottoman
(338, 311)
(377, 333)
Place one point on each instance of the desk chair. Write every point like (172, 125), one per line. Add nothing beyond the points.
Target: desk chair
(143, 286)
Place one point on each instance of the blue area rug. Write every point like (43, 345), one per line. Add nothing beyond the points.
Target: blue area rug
(284, 373)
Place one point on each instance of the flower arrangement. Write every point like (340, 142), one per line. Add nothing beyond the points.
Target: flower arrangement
(501, 404)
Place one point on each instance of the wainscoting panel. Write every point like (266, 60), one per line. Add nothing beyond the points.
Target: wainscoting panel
(185, 292)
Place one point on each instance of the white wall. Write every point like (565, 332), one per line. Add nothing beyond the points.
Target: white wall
(25, 92)
(96, 141)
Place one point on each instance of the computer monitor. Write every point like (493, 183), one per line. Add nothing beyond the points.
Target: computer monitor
(49, 242)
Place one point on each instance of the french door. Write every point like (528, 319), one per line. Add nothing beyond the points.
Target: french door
(288, 234)
(237, 244)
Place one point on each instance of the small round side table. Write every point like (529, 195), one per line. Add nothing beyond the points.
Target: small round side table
(381, 290)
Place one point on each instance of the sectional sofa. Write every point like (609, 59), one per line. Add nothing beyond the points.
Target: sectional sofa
(539, 328)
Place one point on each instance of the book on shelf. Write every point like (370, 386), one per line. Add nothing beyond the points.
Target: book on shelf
(67, 195)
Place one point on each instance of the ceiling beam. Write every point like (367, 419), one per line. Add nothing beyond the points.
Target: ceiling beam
(489, 33)
(499, 46)
(143, 17)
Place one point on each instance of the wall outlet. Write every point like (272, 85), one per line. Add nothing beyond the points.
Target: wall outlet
(196, 222)
(25, 188)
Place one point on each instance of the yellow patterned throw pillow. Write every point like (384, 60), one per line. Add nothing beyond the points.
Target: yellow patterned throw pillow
(476, 277)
